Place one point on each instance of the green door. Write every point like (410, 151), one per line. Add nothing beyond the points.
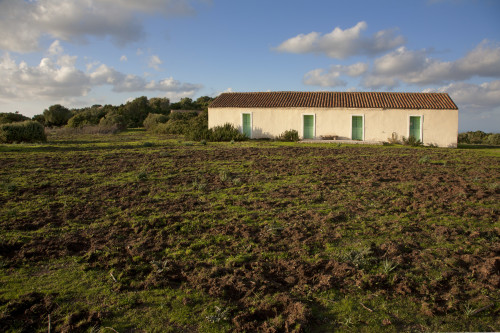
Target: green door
(247, 124)
(357, 128)
(415, 127)
(308, 127)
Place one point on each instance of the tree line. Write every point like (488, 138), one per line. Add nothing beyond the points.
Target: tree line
(155, 114)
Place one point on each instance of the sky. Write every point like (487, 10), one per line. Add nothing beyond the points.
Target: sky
(78, 53)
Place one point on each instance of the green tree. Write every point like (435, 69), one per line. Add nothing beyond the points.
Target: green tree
(87, 116)
(153, 119)
(11, 117)
(57, 115)
(40, 118)
(203, 102)
(113, 118)
(185, 103)
(160, 105)
(136, 111)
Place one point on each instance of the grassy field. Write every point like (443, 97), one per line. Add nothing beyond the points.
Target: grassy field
(140, 233)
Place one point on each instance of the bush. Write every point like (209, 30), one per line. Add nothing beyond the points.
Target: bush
(411, 141)
(172, 127)
(183, 115)
(226, 132)
(56, 115)
(289, 136)
(493, 139)
(198, 128)
(87, 130)
(153, 119)
(87, 117)
(479, 137)
(113, 119)
(9, 117)
(40, 118)
(26, 131)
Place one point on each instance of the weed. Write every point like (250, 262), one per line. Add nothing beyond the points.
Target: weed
(9, 187)
(388, 266)
(394, 139)
(424, 159)
(148, 144)
(359, 257)
(159, 266)
(289, 136)
(411, 141)
(219, 315)
(223, 176)
(468, 310)
(142, 176)
(199, 185)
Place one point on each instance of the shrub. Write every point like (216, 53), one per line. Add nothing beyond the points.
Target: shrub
(198, 128)
(40, 118)
(183, 115)
(56, 115)
(226, 132)
(394, 139)
(10, 117)
(289, 136)
(171, 127)
(411, 141)
(135, 112)
(153, 119)
(113, 119)
(493, 139)
(87, 117)
(26, 131)
(100, 129)
(479, 137)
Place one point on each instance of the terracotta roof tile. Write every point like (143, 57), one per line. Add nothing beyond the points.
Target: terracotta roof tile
(330, 99)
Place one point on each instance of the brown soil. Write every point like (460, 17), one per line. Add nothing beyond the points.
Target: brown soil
(278, 290)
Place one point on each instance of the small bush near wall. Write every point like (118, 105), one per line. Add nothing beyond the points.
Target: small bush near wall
(289, 136)
(411, 141)
(226, 132)
(26, 131)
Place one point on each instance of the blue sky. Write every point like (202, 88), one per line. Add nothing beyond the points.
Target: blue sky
(84, 52)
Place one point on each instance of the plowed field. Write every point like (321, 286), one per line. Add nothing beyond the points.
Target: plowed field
(135, 233)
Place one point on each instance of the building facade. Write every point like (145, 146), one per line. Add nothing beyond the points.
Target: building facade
(431, 118)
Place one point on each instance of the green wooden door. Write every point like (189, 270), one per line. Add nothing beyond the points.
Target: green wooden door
(415, 127)
(357, 128)
(247, 124)
(308, 127)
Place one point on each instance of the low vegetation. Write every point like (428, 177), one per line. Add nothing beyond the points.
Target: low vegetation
(141, 232)
(479, 137)
(290, 136)
(25, 131)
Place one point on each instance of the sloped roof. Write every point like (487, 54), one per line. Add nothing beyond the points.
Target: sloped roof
(330, 99)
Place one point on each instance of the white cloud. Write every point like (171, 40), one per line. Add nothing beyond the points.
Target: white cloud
(416, 67)
(473, 97)
(331, 78)
(479, 104)
(154, 62)
(123, 58)
(57, 76)
(23, 23)
(342, 44)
